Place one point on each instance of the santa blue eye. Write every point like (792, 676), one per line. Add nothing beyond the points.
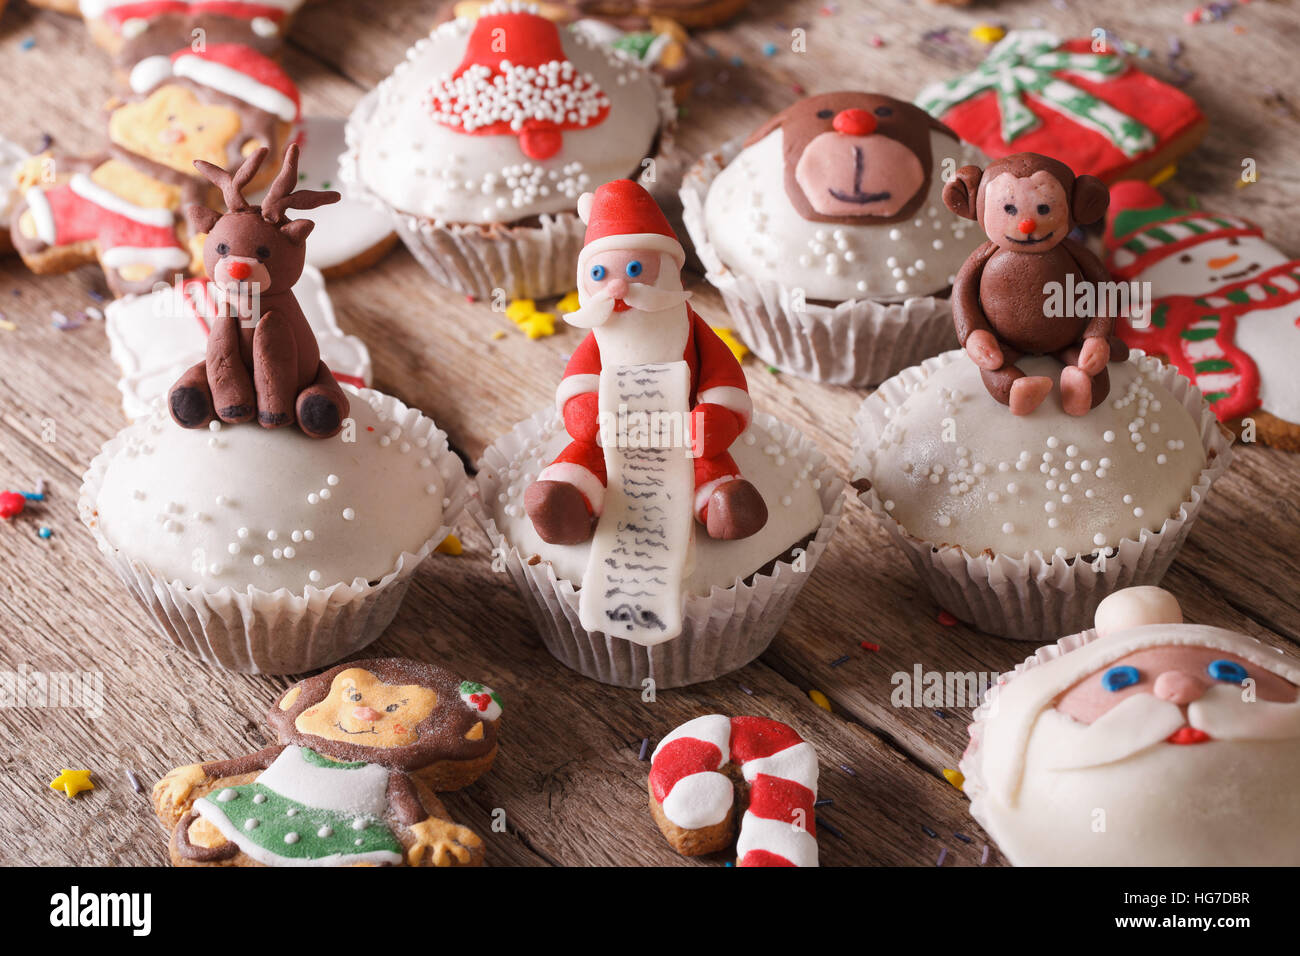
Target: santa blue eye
(1229, 671)
(597, 273)
(1117, 678)
(633, 269)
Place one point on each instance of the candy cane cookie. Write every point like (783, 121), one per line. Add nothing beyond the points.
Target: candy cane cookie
(692, 798)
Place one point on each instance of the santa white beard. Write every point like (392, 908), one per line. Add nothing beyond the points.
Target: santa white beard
(1113, 793)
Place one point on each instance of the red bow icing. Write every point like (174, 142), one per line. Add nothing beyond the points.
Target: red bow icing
(481, 701)
(516, 79)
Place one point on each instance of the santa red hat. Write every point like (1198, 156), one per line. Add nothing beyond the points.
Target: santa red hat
(622, 215)
(230, 68)
(1142, 227)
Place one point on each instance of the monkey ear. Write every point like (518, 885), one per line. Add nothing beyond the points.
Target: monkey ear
(298, 229)
(1089, 200)
(961, 192)
(200, 218)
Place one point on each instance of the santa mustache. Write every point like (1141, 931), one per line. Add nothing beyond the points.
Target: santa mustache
(647, 298)
(1144, 720)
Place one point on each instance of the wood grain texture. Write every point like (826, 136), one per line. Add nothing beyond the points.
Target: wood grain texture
(569, 779)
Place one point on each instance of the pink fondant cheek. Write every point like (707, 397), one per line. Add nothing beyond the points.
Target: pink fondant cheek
(858, 175)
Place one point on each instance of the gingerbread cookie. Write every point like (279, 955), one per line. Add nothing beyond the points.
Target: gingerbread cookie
(121, 209)
(1078, 101)
(1225, 311)
(134, 29)
(692, 798)
(362, 749)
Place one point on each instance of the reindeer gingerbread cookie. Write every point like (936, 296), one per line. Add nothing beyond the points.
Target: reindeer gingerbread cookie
(1027, 204)
(121, 209)
(363, 748)
(262, 357)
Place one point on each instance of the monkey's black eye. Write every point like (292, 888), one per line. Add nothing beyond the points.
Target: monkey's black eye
(825, 114)
(223, 249)
(355, 696)
(1044, 209)
(263, 253)
(884, 111)
(1233, 241)
(1184, 258)
(391, 708)
(1009, 209)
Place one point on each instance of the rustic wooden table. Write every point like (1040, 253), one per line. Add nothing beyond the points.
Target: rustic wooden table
(569, 777)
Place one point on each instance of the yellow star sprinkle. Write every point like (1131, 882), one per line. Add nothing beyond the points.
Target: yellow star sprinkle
(820, 699)
(72, 782)
(954, 777)
(497, 335)
(738, 348)
(987, 33)
(520, 309)
(1164, 175)
(450, 545)
(538, 324)
(569, 303)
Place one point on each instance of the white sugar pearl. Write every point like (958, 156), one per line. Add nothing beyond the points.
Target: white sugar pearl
(272, 535)
(242, 533)
(1008, 528)
(348, 514)
(313, 498)
(313, 577)
(234, 548)
(331, 479)
(1099, 539)
(258, 560)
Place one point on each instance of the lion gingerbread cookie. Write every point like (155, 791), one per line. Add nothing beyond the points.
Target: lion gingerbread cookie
(363, 747)
(122, 209)
(1226, 307)
(692, 796)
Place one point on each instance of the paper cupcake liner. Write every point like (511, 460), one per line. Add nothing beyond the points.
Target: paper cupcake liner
(857, 342)
(1038, 596)
(281, 632)
(722, 631)
(527, 262)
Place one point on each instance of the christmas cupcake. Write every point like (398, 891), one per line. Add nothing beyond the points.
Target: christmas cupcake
(656, 528)
(270, 518)
(825, 233)
(1143, 742)
(481, 142)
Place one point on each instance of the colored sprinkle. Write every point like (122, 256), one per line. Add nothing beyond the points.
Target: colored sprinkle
(961, 836)
(34, 495)
(946, 619)
(7, 325)
(868, 646)
(738, 348)
(737, 61)
(774, 370)
(877, 41)
(65, 324)
(798, 89)
(1164, 175)
(28, 43)
(928, 832)
(97, 295)
(450, 545)
(72, 782)
(941, 714)
(745, 689)
(823, 825)
(645, 746)
(840, 660)
(954, 777)
(730, 863)
(849, 770)
(988, 33)
(45, 532)
(820, 700)
(943, 855)
(498, 335)
(769, 49)
(824, 802)
(134, 781)
(984, 857)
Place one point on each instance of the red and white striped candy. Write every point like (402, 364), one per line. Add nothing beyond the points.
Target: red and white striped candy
(781, 768)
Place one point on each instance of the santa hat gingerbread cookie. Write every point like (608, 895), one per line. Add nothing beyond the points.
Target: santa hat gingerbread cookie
(1225, 311)
(653, 439)
(362, 749)
(1143, 742)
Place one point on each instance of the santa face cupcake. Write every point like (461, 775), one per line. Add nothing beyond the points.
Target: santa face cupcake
(1144, 742)
(655, 527)
(827, 236)
(481, 142)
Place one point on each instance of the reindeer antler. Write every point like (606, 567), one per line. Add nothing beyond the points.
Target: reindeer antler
(279, 198)
(232, 186)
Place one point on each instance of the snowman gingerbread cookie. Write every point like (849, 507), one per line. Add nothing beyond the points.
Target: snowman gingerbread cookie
(1225, 307)
(363, 748)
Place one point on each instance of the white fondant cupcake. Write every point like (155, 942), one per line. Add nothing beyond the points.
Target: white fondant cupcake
(1142, 742)
(267, 551)
(481, 142)
(1021, 525)
(826, 234)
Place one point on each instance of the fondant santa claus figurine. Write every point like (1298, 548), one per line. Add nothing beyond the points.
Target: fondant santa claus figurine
(630, 290)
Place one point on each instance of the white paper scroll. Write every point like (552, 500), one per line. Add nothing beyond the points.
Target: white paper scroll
(642, 545)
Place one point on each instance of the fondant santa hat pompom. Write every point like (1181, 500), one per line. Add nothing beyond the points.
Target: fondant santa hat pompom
(230, 68)
(622, 215)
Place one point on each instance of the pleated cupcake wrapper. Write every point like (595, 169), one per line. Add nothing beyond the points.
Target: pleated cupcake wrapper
(1040, 595)
(280, 632)
(527, 262)
(722, 631)
(857, 342)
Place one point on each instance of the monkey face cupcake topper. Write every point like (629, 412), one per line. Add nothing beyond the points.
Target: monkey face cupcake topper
(1027, 204)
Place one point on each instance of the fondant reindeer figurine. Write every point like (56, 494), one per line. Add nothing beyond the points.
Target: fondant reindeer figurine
(262, 358)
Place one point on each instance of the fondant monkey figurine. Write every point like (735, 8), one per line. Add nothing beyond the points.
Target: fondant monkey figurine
(1027, 204)
(262, 357)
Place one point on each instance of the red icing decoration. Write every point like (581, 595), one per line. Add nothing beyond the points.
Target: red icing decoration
(775, 798)
(764, 858)
(481, 701)
(753, 737)
(1188, 735)
(681, 758)
(517, 40)
(1164, 110)
(151, 9)
(854, 122)
(11, 504)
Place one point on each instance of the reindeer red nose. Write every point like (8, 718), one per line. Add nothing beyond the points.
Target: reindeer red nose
(1027, 226)
(239, 271)
(854, 122)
